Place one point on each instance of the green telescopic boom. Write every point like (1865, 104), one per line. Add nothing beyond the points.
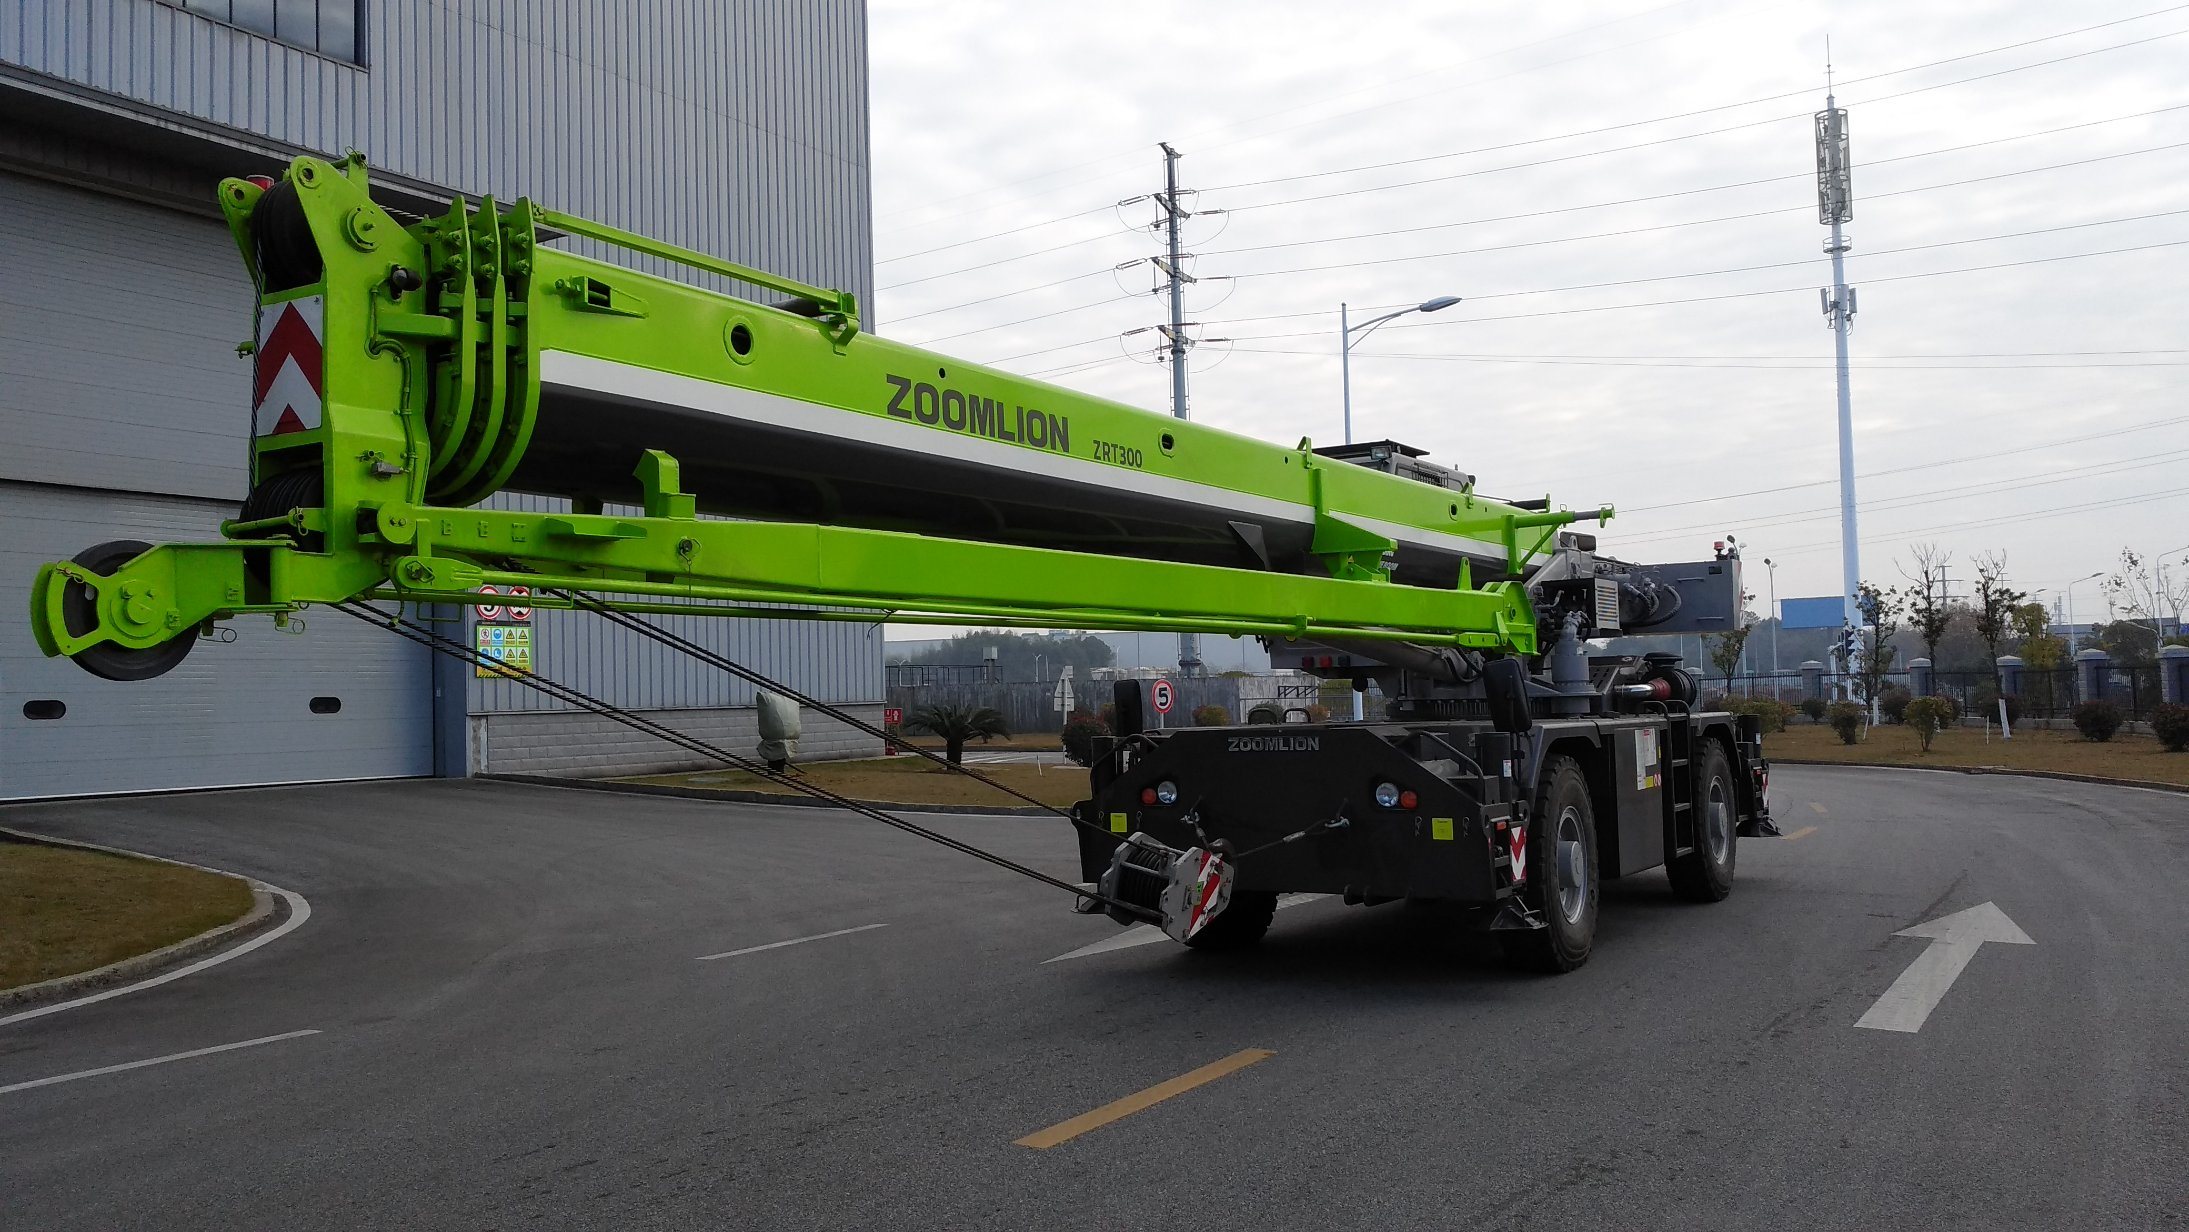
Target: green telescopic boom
(718, 452)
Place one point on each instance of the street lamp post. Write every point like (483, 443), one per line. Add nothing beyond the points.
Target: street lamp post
(1346, 330)
(1773, 571)
(2071, 647)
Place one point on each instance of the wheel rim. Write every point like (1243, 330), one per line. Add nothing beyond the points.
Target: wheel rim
(1717, 822)
(1573, 866)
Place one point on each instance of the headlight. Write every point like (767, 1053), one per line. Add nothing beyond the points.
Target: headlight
(1387, 795)
(1166, 792)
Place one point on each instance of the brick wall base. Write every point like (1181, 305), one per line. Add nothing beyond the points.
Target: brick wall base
(573, 742)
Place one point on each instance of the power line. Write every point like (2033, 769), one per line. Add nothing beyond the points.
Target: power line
(1738, 269)
(1983, 523)
(1928, 464)
(1114, 299)
(1889, 504)
(1644, 362)
(1689, 192)
(1459, 175)
(1767, 98)
(1302, 106)
(990, 299)
(1731, 295)
(1629, 231)
(996, 235)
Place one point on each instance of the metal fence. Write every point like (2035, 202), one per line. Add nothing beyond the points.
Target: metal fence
(2038, 694)
(1028, 706)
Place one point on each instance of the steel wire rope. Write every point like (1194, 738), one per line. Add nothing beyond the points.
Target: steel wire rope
(441, 644)
(654, 632)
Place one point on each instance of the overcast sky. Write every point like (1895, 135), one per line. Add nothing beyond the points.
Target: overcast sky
(990, 118)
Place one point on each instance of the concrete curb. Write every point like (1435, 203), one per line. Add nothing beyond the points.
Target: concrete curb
(267, 910)
(756, 797)
(2062, 775)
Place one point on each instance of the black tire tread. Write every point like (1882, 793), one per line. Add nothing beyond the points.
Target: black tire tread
(1556, 948)
(1694, 876)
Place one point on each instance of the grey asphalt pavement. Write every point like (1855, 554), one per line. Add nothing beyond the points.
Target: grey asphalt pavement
(515, 1027)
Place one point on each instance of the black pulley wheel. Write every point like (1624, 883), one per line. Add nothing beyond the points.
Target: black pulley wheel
(282, 494)
(79, 612)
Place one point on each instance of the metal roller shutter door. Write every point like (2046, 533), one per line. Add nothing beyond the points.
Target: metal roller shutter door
(123, 415)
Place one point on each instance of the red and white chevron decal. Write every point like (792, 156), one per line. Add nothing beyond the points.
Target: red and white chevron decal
(289, 368)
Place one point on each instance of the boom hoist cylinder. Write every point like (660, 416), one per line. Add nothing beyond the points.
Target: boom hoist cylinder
(406, 372)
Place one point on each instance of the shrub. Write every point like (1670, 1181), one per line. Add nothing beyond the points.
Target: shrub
(1814, 708)
(1318, 713)
(2170, 723)
(1892, 703)
(1987, 705)
(1107, 713)
(1717, 701)
(1080, 730)
(1846, 719)
(1927, 716)
(1774, 714)
(2096, 720)
(1211, 716)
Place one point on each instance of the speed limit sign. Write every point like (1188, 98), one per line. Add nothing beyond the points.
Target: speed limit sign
(490, 611)
(1163, 696)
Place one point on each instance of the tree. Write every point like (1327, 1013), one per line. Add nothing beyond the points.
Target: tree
(1929, 612)
(1726, 649)
(2148, 591)
(1995, 604)
(2040, 650)
(957, 724)
(1880, 613)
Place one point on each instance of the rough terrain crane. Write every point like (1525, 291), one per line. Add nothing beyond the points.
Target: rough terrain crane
(721, 455)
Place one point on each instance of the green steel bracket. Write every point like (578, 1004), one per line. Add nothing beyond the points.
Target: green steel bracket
(660, 478)
(839, 309)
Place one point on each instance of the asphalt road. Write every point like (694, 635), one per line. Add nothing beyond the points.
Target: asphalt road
(515, 1027)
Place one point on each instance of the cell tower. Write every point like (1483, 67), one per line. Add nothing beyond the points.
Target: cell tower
(1835, 208)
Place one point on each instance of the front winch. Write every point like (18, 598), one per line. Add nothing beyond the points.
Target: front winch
(1188, 889)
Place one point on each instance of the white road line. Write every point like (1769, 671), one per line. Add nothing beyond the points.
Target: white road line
(777, 945)
(299, 911)
(1149, 934)
(173, 1056)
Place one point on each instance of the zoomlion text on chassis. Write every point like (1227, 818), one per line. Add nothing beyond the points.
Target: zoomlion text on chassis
(408, 370)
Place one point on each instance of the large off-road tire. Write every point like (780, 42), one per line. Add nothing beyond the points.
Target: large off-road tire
(1705, 875)
(1562, 875)
(1242, 923)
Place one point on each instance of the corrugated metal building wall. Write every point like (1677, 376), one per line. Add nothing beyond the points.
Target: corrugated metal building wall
(737, 129)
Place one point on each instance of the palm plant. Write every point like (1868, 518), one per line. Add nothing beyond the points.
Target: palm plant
(957, 724)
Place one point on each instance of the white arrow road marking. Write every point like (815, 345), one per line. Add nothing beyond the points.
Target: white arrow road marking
(1954, 941)
(1149, 934)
